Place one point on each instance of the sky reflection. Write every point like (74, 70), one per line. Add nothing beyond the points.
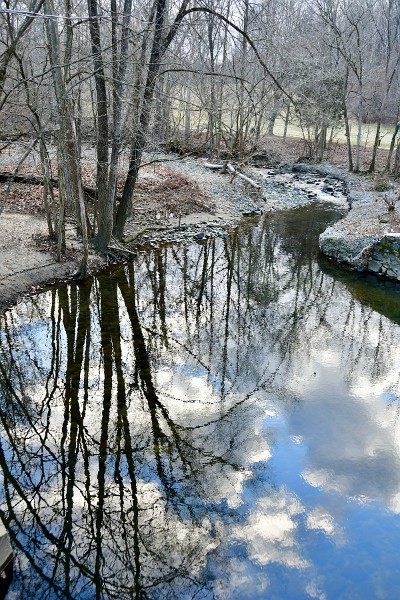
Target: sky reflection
(217, 421)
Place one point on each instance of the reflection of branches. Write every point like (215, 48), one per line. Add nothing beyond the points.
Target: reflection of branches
(11, 485)
(105, 452)
(160, 439)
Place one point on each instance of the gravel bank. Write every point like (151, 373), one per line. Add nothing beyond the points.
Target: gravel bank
(26, 264)
(354, 239)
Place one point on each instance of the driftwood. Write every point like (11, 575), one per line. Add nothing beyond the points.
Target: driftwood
(229, 167)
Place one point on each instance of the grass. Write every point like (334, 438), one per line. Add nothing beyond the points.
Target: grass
(295, 132)
(367, 136)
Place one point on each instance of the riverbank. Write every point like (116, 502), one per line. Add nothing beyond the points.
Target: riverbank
(176, 201)
(179, 200)
(367, 238)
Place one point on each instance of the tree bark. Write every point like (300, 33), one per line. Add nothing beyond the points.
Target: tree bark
(377, 140)
(70, 185)
(159, 46)
(396, 168)
(119, 86)
(359, 124)
(392, 144)
(346, 122)
(104, 206)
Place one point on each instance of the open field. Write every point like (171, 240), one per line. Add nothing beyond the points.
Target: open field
(199, 122)
(367, 137)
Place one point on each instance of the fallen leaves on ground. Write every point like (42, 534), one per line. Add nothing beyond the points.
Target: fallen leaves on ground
(170, 192)
(45, 244)
(24, 197)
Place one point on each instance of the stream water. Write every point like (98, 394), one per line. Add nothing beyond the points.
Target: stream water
(214, 421)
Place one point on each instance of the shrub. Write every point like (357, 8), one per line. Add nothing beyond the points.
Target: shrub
(381, 183)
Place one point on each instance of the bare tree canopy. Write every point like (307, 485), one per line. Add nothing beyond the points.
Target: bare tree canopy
(128, 77)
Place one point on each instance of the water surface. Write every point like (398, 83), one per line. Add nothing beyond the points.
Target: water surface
(215, 421)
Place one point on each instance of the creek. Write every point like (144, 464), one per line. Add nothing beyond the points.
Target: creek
(219, 420)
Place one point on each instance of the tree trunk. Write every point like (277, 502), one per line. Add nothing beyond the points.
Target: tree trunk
(119, 85)
(70, 186)
(287, 117)
(321, 143)
(396, 168)
(377, 140)
(392, 144)
(104, 207)
(187, 111)
(359, 131)
(242, 109)
(211, 109)
(274, 113)
(139, 140)
(47, 188)
(348, 138)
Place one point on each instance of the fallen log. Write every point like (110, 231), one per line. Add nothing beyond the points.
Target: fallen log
(38, 180)
(253, 183)
(25, 178)
(216, 167)
(234, 172)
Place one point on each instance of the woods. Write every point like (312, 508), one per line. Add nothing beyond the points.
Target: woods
(214, 77)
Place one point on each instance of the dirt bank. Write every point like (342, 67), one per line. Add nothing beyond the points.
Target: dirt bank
(175, 201)
(178, 200)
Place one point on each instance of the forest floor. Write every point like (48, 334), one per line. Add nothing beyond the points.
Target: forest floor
(176, 199)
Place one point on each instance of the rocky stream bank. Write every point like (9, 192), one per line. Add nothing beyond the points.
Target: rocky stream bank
(368, 237)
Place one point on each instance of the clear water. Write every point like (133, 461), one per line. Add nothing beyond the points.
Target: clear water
(216, 421)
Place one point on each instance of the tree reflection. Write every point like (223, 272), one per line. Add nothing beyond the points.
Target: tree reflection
(132, 408)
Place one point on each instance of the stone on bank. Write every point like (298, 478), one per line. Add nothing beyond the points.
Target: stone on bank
(359, 239)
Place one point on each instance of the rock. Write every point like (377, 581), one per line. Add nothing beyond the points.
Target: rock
(342, 247)
(301, 168)
(393, 273)
(392, 237)
(386, 256)
(255, 212)
(374, 266)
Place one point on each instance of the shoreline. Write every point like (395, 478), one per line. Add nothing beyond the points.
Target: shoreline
(27, 258)
(28, 264)
(367, 238)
